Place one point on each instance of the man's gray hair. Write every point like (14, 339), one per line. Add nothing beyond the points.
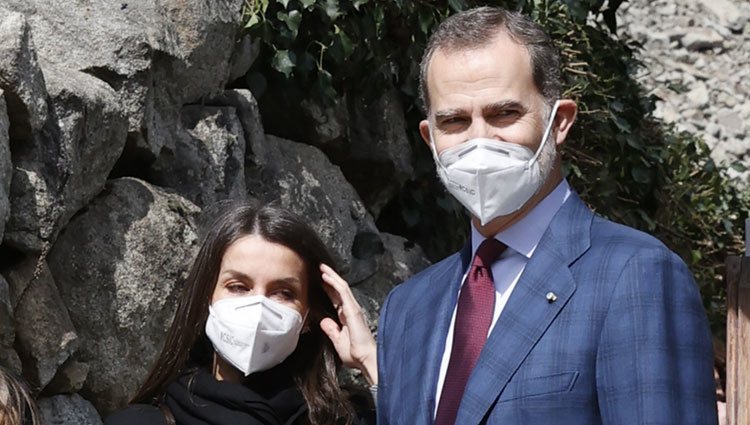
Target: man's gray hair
(478, 27)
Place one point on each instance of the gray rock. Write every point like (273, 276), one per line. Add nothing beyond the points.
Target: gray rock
(378, 162)
(8, 356)
(329, 123)
(702, 39)
(68, 410)
(45, 334)
(119, 265)
(729, 119)
(7, 330)
(300, 177)
(400, 260)
(206, 164)
(69, 378)
(157, 54)
(6, 168)
(246, 51)
(67, 163)
(246, 108)
(726, 11)
(21, 77)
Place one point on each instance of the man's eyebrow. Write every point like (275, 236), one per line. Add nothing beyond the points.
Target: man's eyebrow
(502, 106)
(448, 113)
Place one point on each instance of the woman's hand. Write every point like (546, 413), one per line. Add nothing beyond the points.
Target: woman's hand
(353, 340)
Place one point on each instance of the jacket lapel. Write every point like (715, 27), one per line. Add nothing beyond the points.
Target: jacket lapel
(528, 313)
(424, 336)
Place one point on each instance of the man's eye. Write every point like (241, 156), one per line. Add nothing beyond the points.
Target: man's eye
(453, 120)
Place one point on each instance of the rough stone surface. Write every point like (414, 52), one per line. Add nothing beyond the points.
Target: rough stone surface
(246, 50)
(157, 54)
(378, 161)
(401, 260)
(45, 334)
(695, 55)
(69, 378)
(20, 76)
(6, 168)
(206, 164)
(68, 410)
(300, 177)
(67, 163)
(119, 265)
(8, 356)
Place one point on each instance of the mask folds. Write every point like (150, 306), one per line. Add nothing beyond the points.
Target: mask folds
(492, 178)
(253, 333)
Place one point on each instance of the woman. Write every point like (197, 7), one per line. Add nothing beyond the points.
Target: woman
(17, 406)
(247, 344)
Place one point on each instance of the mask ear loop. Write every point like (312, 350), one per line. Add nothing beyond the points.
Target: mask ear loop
(546, 134)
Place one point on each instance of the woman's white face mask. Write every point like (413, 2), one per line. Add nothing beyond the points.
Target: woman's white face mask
(492, 178)
(253, 333)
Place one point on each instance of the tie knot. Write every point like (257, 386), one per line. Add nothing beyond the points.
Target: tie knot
(489, 250)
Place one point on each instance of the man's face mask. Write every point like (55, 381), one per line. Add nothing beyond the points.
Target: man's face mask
(491, 178)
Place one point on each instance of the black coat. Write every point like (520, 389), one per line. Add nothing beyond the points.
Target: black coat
(197, 398)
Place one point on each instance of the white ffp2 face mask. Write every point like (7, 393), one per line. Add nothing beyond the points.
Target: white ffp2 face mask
(491, 178)
(253, 333)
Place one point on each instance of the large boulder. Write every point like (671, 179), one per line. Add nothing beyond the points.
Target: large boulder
(65, 164)
(400, 260)
(21, 77)
(366, 138)
(248, 113)
(157, 54)
(378, 158)
(301, 178)
(207, 163)
(6, 168)
(119, 265)
(45, 334)
(8, 356)
(68, 410)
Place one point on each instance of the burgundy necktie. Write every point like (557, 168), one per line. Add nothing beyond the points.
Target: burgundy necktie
(476, 304)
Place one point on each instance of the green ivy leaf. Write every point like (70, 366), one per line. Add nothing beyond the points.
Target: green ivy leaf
(283, 61)
(641, 175)
(284, 3)
(426, 19)
(331, 9)
(253, 21)
(307, 4)
(457, 5)
(346, 43)
(292, 21)
(358, 3)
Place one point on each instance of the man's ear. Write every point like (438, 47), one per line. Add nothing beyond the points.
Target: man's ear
(424, 131)
(566, 116)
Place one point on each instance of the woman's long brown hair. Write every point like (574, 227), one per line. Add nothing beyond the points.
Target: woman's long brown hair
(315, 361)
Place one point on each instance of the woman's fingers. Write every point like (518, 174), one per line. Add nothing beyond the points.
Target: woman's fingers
(342, 294)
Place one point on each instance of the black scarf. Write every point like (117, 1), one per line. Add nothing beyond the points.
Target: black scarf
(266, 398)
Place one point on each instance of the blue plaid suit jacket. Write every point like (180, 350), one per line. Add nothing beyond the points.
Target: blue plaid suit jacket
(626, 342)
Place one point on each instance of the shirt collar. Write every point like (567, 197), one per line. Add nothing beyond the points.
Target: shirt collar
(524, 235)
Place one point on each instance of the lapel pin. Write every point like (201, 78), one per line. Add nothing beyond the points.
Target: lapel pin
(551, 297)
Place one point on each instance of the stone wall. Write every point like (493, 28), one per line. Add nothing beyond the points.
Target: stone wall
(697, 63)
(117, 138)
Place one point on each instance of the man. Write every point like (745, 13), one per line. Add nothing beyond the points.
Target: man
(560, 317)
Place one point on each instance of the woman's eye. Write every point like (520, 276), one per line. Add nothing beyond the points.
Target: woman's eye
(237, 288)
(284, 295)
